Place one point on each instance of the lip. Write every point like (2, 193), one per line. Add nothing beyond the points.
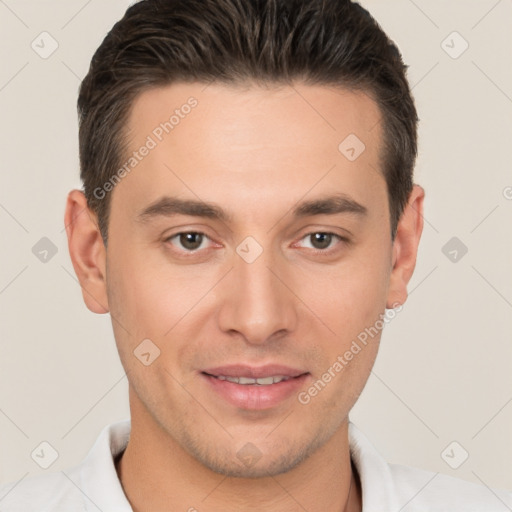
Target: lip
(255, 372)
(253, 396)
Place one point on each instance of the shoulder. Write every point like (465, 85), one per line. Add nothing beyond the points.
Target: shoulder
(420, 490)
(45, 493)
(396, 487)
(92, 484)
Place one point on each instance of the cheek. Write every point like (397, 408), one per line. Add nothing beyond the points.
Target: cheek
(350, 299)
(137, 302)
(153, 299)
(145, 306)
(348, 296)
(148, 293)
(351, 305)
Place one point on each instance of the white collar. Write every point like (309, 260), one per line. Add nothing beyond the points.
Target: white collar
(97, 476)
(385, 487)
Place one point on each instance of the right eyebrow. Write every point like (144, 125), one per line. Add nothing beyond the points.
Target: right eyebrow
(168, 206)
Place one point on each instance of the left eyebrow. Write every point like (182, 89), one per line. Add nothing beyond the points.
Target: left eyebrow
(170, 206)
(331, 205)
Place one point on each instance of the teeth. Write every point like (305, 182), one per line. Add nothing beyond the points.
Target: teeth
(246, 380)
(263, 381)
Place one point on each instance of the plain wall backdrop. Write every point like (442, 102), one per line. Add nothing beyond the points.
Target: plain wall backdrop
(444, 368)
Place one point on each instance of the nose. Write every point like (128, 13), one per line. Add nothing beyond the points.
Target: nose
(257, 302)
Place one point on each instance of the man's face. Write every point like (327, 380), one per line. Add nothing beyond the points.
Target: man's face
(263, 286)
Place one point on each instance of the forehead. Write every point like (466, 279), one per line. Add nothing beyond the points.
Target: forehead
(243, 144)
(277, 115)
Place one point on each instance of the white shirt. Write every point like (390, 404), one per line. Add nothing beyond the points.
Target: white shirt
(93, 485)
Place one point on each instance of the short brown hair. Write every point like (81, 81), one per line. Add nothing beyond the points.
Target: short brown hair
(318, 42)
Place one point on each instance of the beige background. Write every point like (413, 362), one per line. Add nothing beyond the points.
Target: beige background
(444, 369)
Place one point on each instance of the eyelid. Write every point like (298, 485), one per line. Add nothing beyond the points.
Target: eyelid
(341, 239)
(168, 238)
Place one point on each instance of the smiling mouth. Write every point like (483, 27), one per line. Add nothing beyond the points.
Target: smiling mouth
(249, 381)
(269, 389)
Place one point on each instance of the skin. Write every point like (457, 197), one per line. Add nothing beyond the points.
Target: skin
(255, 152)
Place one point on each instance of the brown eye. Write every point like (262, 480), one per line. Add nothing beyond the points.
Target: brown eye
(321, 240)
(189, 241)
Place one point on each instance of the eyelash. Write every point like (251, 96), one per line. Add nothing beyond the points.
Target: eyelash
(340, 239)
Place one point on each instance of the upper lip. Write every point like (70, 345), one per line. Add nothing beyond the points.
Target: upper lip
(254, 372)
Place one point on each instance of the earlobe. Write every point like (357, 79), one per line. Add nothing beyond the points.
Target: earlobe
(87, 251)
(405, 247)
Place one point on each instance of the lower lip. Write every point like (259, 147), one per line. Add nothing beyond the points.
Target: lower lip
(254, 396)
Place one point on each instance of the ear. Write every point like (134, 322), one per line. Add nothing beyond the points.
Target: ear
(405, 247)
(87, 251)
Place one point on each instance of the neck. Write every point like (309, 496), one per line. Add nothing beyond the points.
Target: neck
(158, 474)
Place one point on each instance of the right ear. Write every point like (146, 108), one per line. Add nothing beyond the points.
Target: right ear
(87, 251)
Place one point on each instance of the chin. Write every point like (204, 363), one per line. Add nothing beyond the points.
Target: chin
(251, 462)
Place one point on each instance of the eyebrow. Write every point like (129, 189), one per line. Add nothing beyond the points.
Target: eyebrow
(169, 206)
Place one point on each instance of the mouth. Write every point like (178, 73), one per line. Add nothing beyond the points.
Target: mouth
(254, 388)
(249, 381)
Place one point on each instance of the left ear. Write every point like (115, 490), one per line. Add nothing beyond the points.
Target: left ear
(405, 247)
